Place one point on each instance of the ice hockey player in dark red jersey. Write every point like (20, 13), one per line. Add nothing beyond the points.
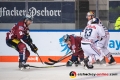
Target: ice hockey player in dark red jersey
(74, 43)
(16, 37)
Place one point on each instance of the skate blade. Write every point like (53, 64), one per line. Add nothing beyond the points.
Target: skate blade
(22, 68)
(85, 68)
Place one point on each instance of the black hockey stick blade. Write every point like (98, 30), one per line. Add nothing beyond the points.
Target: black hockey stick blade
(62, 58)
(47, 66)
(54, 61)
(49, 63)
(51, 60)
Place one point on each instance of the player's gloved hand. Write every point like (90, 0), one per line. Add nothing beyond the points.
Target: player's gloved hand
(29, 38)
(33, 48)
(79, 49)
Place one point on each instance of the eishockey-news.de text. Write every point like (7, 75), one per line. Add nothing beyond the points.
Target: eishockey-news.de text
(97, 74)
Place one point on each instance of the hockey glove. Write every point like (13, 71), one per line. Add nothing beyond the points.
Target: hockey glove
(27, 39)
(33, 48)
(79, 49)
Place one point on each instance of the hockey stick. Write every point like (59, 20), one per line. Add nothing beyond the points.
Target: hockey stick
(62, 58)
(39, 58)
(47, 66)
(51, 60)
(37, 53)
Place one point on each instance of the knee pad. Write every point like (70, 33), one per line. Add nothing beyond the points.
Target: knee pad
(27, 53)
(21, 47)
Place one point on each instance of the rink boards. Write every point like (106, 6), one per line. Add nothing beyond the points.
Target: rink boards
(50, 45)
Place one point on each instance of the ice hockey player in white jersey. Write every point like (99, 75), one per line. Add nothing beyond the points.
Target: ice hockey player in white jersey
(104, 42)
(89, 38)
(90, 15)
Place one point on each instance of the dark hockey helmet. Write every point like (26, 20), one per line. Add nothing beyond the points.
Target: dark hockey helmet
(66, 37)
(95, 20)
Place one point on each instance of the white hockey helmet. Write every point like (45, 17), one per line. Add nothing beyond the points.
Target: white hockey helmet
(28, 17)
(90, 13)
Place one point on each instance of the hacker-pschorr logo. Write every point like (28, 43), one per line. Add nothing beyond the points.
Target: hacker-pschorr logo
(32, 11)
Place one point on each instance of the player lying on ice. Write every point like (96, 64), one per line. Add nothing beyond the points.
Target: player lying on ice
(16, 37)
(74, 43)
(104, 42)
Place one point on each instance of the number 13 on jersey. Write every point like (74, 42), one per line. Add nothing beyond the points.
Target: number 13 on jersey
(88, 32)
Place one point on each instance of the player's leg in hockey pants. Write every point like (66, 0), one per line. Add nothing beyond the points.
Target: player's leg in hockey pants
(103, 44)
(87, 64)
(94, 54)
(74, 58)
(109, 56)
(80, 57)
(23, 55)
(21, 48)
(107, 53)
(12, 44)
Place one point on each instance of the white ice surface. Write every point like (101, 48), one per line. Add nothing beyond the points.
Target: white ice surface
(10, 71)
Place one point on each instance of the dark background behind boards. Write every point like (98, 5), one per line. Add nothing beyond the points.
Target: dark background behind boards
(114, 11)
(67, 11)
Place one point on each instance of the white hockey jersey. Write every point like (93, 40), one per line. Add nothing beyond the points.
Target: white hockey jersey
(91, 32)
(105, 29)
(89, 22)
(100, 23)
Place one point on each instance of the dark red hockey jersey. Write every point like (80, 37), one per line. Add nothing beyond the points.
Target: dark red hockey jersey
(18, 31)
(75, 43)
